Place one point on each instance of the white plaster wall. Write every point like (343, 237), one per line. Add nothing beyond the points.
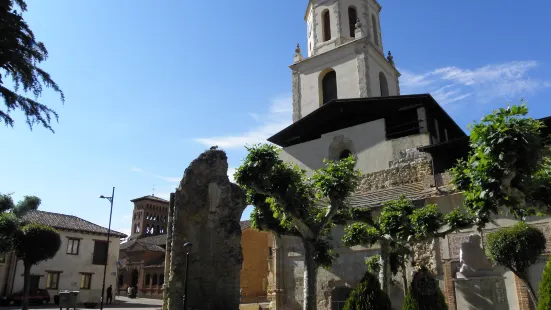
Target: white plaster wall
(72, 265)
(378, 64)
(372, 150)
(348, 86)
(310, 31)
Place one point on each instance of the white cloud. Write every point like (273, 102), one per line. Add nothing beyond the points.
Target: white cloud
(278, 117)
(453, 84)
(135, 169)
(231, 172)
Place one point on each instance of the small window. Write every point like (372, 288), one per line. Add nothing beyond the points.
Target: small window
(326, 26)
(100, 253)
(72, 246)
(154, 279)
(344, 154)
(352, 18)
(52, 280)
(85, 281)
(270, 252)
(137, 228)
(147, 279)
(161, 279)
(329, 87)
(383, 84)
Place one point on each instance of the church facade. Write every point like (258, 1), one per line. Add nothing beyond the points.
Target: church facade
(346, 101)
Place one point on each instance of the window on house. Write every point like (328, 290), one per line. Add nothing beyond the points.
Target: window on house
(437, 130)
(52, 280)
(147, 279)
(154, 279)
(72, 246)
(352, 18)
(383, 84)
(85, 281)
(326, 26)
(100, 252)
(375, 30)
(329, 87)
(161, 279)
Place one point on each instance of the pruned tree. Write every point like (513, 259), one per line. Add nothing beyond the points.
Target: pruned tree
(32, 243)
(20, 55)
(424, 293)
(544, 290)
(287, 202)
(517, 248)
(509, 166)
(368, 295)
(402, 225)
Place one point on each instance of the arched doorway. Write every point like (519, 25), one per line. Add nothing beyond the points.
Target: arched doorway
(329, 87)
(135, 277)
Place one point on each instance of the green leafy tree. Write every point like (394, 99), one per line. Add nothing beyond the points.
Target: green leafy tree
(368, 295)
(401, 225)
(545, 288)
(32, 243)
(424, 293)
(20, 54)
(509, 166)
(517, 248)
(35, 243)
(287, 202)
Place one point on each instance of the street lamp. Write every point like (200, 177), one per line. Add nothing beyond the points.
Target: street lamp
(187, 246)
(107, 250)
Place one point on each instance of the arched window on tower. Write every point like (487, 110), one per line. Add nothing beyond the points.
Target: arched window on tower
(136, 228)
(326, 23)
(352, 17)
(383, 85)
(329, 87)
(375, 30)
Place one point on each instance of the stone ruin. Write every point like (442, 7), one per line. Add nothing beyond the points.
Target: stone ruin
(207, 211)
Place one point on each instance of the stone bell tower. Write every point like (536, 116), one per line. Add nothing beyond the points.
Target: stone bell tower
(345, 56)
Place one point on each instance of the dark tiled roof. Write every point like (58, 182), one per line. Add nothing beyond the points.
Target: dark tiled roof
(146, 246)
(67, 222)
(158, 239)
(149, 197)
(377, 197)
(245, 224)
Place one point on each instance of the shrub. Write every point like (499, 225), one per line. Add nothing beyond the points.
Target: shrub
(545, 288)
(424, 293)
(368, 295)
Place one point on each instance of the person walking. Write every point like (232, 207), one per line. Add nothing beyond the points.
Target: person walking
(110, 294)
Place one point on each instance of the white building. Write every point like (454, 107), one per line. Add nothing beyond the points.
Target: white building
(77, 266)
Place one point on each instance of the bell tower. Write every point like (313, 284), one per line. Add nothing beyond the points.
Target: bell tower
(345, 56)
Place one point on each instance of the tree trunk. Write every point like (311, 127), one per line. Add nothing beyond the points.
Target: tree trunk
(404, 279)
(26, 286)
(310, 276)
(383, 273)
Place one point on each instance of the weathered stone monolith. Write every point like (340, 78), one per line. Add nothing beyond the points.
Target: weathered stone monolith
(207, 211)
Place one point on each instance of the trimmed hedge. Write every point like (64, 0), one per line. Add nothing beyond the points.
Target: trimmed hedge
(545, 288)
(424, 293)
(368, 295)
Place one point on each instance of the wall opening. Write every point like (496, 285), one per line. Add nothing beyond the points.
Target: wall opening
(383, 84)
(329, 87)
(344, 154)
(375, 30)
(352, 17)
(339, 296)
(326, 24)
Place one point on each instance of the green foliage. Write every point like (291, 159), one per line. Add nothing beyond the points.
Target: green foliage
(35, 243)
(337, 179)
(368, 295)
(9, 224)
(508, 166)
(424, 293)
(544, 291)
(516, 247)
(373, 264)
(20, 53)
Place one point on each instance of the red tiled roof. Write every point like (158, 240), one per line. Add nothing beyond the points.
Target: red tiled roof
(67, 222)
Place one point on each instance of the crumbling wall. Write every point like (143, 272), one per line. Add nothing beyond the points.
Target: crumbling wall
(207, 211)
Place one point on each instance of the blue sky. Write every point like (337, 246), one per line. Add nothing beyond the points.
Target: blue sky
(149, 87)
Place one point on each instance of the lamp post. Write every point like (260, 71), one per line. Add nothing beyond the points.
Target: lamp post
(107, 250)
(187, 246)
